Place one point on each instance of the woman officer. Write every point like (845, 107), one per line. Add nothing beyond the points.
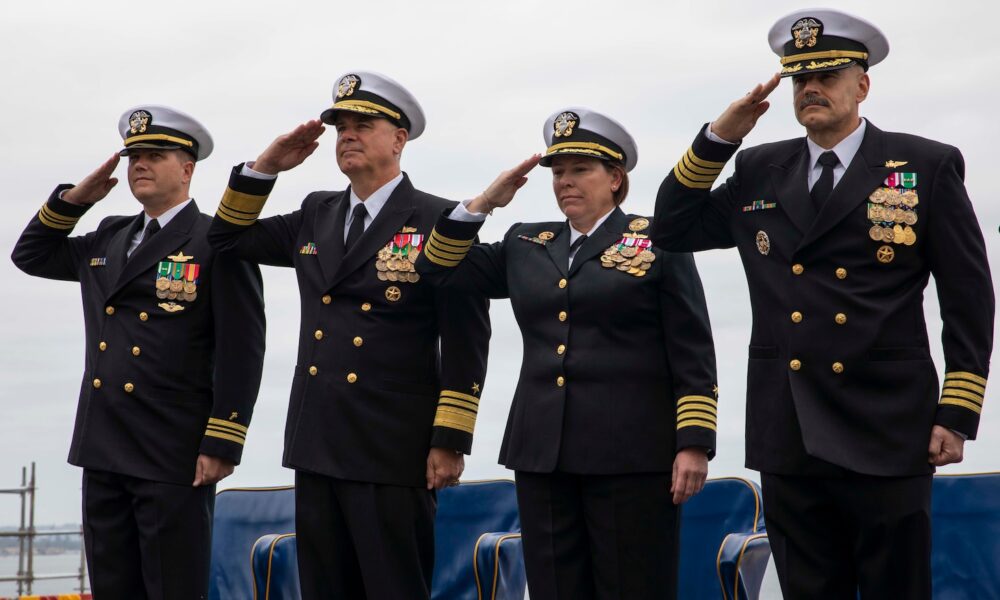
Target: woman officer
(613, 420)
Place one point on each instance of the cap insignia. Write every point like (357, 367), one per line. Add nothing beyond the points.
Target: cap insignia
(139, 121)
(347, 85)
(565, 123)
(806, 31)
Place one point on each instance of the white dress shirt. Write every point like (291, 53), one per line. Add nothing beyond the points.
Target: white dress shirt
(162, 220)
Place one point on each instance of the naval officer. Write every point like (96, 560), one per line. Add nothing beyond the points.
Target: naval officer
(614, 416)
(174, 350)
(839, 232)
(389, 370)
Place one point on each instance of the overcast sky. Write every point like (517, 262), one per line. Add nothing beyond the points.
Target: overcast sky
(487, 76)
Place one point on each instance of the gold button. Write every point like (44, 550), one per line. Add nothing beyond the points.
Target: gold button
(358, 341)
(143, 316)
(351, 378)
(796, 317)
(561, 349)
(795, 365)
(102, 346)
(110, 310)
(319, 334)
(136, 350)
(367, 306)
(562, 315)
(129, 387)
(560, 381)
(97, 383)
(563, 283)
(327, 299)
(841, 318)
(313, 370)
(798, 269)
(841, 273)
(838, 367)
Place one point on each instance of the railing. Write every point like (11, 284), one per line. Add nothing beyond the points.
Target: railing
(26, 535)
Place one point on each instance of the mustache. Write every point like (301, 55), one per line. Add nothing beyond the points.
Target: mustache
(813, 100)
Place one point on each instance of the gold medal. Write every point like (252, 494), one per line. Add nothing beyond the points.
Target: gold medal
(176, 286)
(412, 256)
(878, 196)
(898, 237)
(381, 276)
(392, 276)
(910, 217)
(636, 261)
(887, 234)
(875, 233)
(633, 271)
(640, 274)
(894, 198)
(885, 254)
(611, 250)
(638, 224)
(874, 212)
(190, 296)
(413, 277)
(162, 283)
(900, 215)
(909, 198)
(888, 214)
(647, 256)
(607, 265)
(623, 266)
(393, 293)
(629, 251)
(190, 287)
(385, 253)
(909, 236)
(645, 266)
(162, 294)
(618, 258)
(171, 295)
(380, 265)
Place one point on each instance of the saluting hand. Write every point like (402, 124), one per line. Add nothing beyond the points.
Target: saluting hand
(740, 118)
(690, 471)
(502, 190)
(444, 467)
(946, 447)
(211, 469)
(95, 186)
(289, 150)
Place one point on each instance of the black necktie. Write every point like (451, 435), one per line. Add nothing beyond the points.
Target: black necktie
(151, 228)
(357, 226)
(824, 185)
(575, 246)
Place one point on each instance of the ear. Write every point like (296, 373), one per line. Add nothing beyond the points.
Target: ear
(864, 85)
(399, 140)
(188, 171)
(616, 178)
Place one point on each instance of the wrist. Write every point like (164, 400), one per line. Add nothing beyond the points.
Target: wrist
(263, 167)
(479, 204)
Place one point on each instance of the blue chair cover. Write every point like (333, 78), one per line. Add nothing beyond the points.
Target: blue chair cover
(965, 525)
(275, 568)
(499, 567)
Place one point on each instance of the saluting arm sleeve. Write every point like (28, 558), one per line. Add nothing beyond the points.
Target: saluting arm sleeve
(452, 259)
(237, 228)
(45, 248)
(690, 352)
(957, 254)
(689, 215)
(238, 313)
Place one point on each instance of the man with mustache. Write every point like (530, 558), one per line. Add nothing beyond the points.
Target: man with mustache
(839, 233)
(174, 351)
(390, 370)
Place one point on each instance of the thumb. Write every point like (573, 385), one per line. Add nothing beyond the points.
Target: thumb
(199, 474)
(429, 473)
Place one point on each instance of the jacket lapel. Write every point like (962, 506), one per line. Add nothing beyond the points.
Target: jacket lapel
(329, 232)
(390, 219)
(117, 248)
(558, 248)
(167, 240)
(608, 233)
(861, 178)
(791, 185)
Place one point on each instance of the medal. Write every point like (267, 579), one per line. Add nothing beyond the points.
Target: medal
(763, 243)
(875, 233)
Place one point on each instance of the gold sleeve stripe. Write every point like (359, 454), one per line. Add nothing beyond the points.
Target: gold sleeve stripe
(438, 260)
(969, 405)
(687, 182)
(241, 202)
(458, 404)
(447, 252)
(695, 166)
(460, 396)
(705, 399)
(224, 214)
(702, 162)
(696, 423)
(228, 424)
(227, 431)
(695, 408)
(965, 385)
(697, 414)
(947, 392)
(54, 220)
(455, 419)
(966, 376)
(224, 436)
(450, 241)
(696, 177)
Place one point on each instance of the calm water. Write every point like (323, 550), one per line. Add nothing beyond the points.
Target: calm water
(56, 563)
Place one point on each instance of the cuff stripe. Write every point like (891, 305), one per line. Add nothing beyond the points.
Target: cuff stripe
(702, 162)
(696, 423)
(966, 376)
(705, 399)
(953, 393)
(459, 404)
(242, 202)
(450, 241)
(224, 214)
(224, 436)
(687, 182)
(459, 396)
(228, 424)
(55, 220)
(964, 404)
(434, 257)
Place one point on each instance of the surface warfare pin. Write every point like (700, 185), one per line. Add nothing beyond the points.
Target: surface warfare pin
(763, 243)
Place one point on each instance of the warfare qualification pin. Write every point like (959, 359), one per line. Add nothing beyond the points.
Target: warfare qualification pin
(565, 123)
(806, 31)
(347, 84)
(763, 243)
(139, 121)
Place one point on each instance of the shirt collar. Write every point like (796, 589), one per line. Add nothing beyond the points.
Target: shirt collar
(845, 150)
(375, 202)
(573, 233)
(166, 216)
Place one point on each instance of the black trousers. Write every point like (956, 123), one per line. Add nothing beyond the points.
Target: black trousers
(832, 537)
(359, 540)
(145, 539)
(598, 537)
